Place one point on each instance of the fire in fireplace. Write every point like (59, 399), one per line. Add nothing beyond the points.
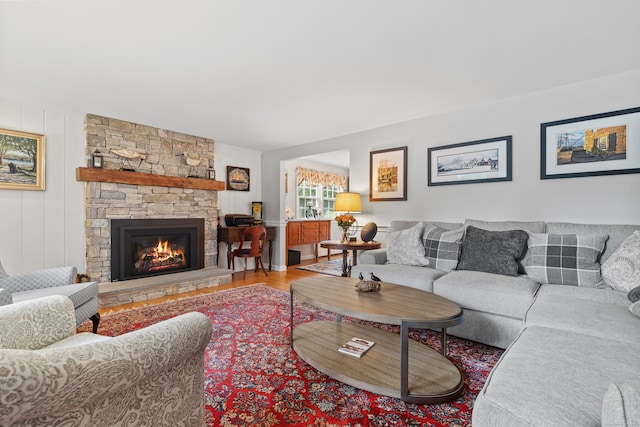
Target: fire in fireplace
(149, 247)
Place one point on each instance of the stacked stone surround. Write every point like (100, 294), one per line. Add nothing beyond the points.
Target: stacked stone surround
(164, 155)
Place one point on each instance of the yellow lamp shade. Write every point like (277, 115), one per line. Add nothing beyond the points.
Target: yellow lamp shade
(348, 202)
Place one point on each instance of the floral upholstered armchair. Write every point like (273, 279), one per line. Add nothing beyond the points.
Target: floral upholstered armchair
(49, 375)
(52, 281)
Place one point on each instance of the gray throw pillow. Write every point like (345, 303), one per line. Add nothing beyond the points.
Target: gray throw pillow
(492, 251)
(565, 259)
(405, 246)
(634, 294)
(442, 247)
(620, 406)
(621, 270)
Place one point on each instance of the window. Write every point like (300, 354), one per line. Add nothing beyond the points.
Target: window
(316, 201)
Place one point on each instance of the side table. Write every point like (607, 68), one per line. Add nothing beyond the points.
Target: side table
(354, 247)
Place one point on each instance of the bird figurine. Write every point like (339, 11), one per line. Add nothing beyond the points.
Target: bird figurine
(192, 162)
(360, 276)
(375, 278)
(127, 155)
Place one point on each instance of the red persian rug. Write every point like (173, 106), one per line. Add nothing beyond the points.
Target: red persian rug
(254, 378)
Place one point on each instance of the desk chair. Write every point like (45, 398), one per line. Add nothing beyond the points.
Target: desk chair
(257, 235)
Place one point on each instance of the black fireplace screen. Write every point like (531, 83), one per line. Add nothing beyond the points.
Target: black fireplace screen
(150, 247)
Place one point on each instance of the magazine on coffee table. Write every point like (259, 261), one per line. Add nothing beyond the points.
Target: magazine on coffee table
(356, 347)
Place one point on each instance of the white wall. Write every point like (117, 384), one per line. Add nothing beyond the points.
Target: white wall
(41, 229)
(238, 202)
(603, 199)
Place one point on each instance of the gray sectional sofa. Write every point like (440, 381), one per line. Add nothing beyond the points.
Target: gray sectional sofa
(572, 350)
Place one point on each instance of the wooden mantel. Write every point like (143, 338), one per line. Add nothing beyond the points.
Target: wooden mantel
(138, 178)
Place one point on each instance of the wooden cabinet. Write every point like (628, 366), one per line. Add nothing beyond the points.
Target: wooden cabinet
(305, 232)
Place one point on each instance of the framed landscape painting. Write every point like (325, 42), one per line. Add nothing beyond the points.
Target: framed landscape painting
(21, 160)
(388, 175)
(486, 160)
(599, 144)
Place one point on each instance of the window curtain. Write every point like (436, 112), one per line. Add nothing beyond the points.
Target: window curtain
(314, 177)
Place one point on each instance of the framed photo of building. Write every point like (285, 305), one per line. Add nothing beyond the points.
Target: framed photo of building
(388, 175)
(256, 211)
(21, 160)
(599, 144)
(237, 178)
(485, 160)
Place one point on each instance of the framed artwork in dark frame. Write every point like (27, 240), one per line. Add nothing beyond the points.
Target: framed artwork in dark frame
(591, 145)
(388, 175)
(485, 160)
(238, 178)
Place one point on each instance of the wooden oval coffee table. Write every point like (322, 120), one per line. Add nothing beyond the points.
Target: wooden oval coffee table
(395, 366)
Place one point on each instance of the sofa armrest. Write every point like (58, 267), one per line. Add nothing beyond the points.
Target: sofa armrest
(36, 323)
(47, 278)
(374, 256)
(152, 376)
(5, 297)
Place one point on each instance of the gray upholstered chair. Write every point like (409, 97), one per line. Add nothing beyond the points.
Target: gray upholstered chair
(52, 281)
(51, 375)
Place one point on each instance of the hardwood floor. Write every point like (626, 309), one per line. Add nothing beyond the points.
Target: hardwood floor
(276, 279)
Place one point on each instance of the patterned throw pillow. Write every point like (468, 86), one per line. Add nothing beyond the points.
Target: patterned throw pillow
(621, 270)
(405, 246)
(494, 252)
(565, 259)
(442, 246)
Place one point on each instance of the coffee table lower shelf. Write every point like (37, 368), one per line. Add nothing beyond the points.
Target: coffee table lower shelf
(432, 377)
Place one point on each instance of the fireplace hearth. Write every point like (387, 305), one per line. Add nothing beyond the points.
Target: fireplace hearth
(151, 247)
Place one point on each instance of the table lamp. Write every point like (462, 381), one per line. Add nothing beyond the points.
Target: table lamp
(348, 202)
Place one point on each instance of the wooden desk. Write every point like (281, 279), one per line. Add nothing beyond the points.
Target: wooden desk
(231, 235)
(354, 247)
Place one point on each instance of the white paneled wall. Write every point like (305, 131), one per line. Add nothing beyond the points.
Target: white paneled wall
(41, 229)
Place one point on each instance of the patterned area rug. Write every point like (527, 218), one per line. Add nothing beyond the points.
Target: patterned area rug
(333, 267)
(254, 378)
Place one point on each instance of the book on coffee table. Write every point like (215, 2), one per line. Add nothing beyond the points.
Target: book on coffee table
(356, 347)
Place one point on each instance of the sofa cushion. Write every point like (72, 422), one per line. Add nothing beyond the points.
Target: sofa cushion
(565, 259)
(616, 232)
(492, 251)
(490, 293)
(621, 406)
(622, 269)
(408, 275)
(406, 247)
(78, 293)
(442, 246)
(552, 377)
(600, 313)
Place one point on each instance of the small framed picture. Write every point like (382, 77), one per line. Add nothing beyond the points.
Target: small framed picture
(22, 161)
(237, 178)
(256, 210)
(485, 160)
(600, 144)
(388, 175)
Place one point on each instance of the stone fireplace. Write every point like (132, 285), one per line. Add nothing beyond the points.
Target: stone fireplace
(161, 188)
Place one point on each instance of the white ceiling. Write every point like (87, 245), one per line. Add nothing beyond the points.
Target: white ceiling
(271, 74)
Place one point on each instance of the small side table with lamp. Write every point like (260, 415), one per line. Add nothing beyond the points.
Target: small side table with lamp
(349, 203)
